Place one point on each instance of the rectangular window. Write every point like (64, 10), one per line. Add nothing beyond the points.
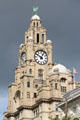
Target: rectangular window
(34, 114)
(37, 37)
(77, 86)
(63, 89)
(57, 116)
(36, 86)
(56, 86)
(40, 74)
(28, 84)
(22, 94)
(40, 117)
(17, 117)
(51, 85)
(75, 109)
(56, 107)
(28, 94)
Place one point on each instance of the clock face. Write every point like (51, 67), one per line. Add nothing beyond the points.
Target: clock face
(23, 58)
(41, 57)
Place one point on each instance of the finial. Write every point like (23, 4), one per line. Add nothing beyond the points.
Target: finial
(35, 7)
(35, 10)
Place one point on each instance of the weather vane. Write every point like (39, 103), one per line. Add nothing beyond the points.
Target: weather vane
(35, 7)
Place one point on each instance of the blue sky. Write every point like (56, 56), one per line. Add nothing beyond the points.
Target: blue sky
(3, 102)
(1, 118)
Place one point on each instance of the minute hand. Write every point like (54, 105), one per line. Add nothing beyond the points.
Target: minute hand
(40, 56)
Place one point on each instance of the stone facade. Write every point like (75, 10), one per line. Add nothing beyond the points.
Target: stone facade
(39, 83)
(72, 99)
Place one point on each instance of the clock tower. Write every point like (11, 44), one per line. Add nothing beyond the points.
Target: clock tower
(35, 60)
(39, 84)
(36, 54)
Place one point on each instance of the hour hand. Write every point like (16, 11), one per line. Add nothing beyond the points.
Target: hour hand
(40, 56)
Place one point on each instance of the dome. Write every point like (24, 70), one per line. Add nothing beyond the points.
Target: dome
(30, 38)
(59, 68)
(35, 17)
(49, 41)
(21, 45)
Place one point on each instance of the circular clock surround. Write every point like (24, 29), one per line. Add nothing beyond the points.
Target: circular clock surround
(41, 57)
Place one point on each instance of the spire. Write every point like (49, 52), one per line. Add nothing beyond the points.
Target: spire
(35, 7)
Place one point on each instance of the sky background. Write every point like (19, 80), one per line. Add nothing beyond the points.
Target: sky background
(62, 21)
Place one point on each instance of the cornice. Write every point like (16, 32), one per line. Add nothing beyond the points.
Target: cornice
(44, 100)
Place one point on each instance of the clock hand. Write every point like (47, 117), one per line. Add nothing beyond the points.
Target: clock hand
(40, 56)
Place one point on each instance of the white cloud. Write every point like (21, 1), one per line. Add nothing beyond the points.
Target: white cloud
(3, 104)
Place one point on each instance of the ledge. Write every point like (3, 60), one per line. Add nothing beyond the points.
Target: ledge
(12, 84)
(33, 106)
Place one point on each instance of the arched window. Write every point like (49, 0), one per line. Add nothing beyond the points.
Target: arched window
(23, 58)
(42, 38)
(40, 74)
(37, 24)
(33, 23)
(17, 98)
(35, 95)
(30, 71)
(37, 37)
(63, 80)
(17, 95)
